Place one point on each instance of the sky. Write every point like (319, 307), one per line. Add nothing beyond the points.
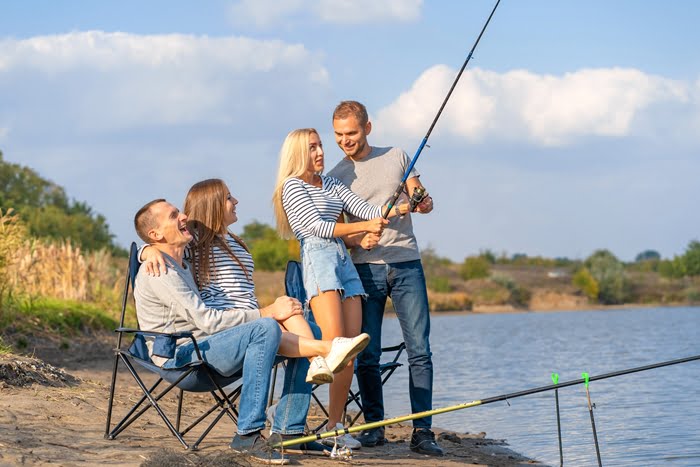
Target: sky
(575, 127)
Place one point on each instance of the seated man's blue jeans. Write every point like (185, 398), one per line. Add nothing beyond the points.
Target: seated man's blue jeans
(293, 406)
(405, 283)
(252, 347)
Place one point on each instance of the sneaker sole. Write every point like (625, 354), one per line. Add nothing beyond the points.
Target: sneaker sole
(357, 348)
(320, 379)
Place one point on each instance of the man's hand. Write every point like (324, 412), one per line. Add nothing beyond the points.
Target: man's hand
(425, 206)
(153, 261)
(369, 241)
(283, 308)
(375, 226)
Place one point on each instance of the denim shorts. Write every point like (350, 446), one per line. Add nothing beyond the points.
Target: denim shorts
(327, 266)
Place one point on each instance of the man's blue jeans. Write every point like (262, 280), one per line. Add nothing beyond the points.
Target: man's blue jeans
(252, 347)
(405, 283)
(293, 406)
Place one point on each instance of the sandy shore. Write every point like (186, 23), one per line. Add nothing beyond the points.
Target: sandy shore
(55, 415)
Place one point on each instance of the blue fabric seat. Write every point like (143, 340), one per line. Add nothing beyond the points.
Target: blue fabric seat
(197, 377)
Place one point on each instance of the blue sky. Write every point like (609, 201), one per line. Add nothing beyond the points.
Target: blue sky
(575, 127)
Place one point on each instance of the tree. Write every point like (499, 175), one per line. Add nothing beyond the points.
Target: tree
(47, 212)
(691, 258)
(609, 272)
(475, 267)
(647, 255)
(586, 283)
(270, 252)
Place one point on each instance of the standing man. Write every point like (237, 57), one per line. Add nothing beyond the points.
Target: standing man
(389, 266)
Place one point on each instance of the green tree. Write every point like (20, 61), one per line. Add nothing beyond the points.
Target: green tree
(270, 252)
(47, 212)
(475, 267)
(691, 258)
(609, 272)
(647, 255)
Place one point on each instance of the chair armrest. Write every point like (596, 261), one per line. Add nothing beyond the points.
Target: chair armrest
(177, 335)
(401, 346)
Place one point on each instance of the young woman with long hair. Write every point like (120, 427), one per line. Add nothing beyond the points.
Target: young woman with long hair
(309, 206)
(222, 267)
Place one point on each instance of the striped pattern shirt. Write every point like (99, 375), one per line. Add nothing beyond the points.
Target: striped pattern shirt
(229, 287)
(313, 211)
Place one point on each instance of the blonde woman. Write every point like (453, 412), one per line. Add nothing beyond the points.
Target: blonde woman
(308, 206)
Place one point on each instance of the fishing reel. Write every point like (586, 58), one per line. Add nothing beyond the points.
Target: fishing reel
(417, 197)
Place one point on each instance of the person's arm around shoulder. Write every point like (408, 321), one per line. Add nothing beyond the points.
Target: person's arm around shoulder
(152, 259)
(188, 303)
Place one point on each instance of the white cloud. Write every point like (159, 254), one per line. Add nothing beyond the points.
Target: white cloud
(267, 13)
(111, 81)
(523, 106)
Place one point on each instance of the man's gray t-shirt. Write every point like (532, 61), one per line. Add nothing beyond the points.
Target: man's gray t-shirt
(374, 178)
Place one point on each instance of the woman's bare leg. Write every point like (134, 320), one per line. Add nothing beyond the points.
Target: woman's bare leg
(337, 319)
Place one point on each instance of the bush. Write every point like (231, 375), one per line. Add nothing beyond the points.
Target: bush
(439, 284)
(475, 267)
(519, 296)
(584, 281)
(609, 272)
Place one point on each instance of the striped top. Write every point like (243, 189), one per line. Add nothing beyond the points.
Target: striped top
(313, 211)
(228, 285)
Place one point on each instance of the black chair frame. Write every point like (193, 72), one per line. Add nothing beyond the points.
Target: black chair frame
(196, 376)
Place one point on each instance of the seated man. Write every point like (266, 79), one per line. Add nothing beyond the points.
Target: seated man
(230, 340)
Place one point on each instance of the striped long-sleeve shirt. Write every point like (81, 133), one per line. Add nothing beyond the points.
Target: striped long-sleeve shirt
(228, 286)
(313, 211)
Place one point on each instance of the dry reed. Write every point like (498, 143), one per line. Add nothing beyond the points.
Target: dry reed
(34, 267)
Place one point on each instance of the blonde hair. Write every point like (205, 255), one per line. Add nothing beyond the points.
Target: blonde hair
(294, 162)
(205, 205)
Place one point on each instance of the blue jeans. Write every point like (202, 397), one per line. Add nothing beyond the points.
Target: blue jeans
(251, 347)
(293, 406)
(405, 283)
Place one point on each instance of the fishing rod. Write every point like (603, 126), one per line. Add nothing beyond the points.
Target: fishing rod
(590, 411)
(555, 380)
(466, 405)
(423, 143)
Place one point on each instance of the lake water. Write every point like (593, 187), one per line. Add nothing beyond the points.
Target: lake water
(646, 418)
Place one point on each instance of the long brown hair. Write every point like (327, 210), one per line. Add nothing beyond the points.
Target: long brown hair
(204, 206)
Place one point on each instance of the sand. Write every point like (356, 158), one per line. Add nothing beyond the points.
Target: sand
(53, 412)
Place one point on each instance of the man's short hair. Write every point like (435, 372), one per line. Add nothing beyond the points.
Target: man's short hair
(347, 108)
(145, 221)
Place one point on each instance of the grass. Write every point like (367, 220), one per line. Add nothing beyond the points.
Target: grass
(60, 316)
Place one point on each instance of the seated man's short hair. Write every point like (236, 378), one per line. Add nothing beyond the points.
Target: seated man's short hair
(145, 221)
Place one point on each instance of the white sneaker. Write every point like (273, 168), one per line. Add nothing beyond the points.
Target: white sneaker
(344, 349)
(342, 440)
(318, 372)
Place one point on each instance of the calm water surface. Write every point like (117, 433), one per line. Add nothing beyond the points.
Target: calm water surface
(647, 418)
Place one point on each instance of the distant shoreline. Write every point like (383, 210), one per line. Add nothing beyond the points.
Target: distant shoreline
(508, 309)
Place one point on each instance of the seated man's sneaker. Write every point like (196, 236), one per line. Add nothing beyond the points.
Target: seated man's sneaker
(319, 373)
(312, 448)
(342, 440)
(254, 446)
(372, 438)
(423, 442)
(344, 349)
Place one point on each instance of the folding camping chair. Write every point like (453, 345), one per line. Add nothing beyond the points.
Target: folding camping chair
(294, 286)
(195, 377)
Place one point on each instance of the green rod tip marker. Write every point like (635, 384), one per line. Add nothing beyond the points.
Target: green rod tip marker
(585, 379)
(555, 378)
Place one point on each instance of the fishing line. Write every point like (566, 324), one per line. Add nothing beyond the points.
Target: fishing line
(423, 143)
